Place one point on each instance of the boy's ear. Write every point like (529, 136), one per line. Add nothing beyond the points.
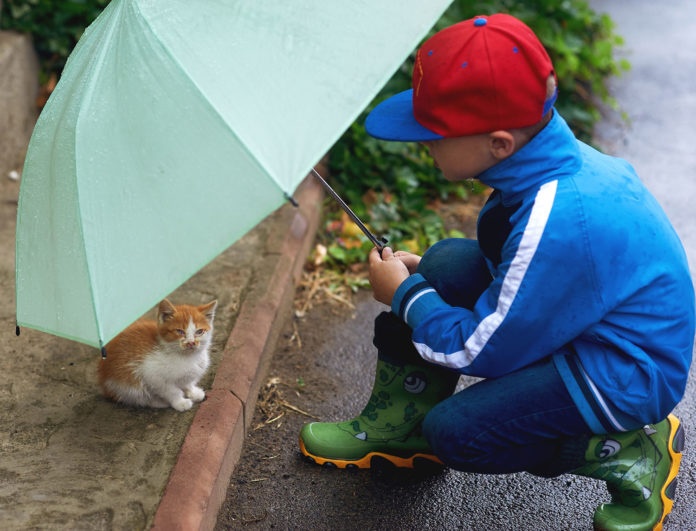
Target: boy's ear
(502, 144)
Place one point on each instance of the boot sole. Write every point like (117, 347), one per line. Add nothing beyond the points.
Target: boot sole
(417, 460)
(675, 446)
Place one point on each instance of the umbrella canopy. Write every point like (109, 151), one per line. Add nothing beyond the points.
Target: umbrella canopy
(175, 128)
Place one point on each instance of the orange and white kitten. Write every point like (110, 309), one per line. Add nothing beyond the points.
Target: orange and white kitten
(159, 363)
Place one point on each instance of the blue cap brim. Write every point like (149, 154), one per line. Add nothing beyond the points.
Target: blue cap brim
(393, 120)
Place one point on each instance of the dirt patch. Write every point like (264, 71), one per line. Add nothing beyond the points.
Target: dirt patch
(462, 215)
(70, 459)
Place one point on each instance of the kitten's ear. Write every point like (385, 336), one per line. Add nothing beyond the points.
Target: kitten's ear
(165, 311)
(209, 310)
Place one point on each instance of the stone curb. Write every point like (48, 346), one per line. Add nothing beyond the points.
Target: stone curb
(198, 483)
(19, 86)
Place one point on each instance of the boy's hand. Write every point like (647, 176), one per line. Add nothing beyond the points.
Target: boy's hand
(387, 272)
(410, 260)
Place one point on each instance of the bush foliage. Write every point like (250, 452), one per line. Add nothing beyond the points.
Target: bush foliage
(56, 26)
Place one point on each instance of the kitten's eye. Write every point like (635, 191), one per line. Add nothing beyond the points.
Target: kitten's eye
(181, 332)
(200, 332)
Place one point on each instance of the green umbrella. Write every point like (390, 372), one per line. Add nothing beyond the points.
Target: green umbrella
(175, 128)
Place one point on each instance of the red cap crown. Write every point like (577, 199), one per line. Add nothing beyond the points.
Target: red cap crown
(481, 75)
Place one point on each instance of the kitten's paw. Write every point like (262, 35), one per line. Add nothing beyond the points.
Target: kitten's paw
(195, 393)
(182, 404)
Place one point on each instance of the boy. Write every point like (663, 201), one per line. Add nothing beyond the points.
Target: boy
(575, 305)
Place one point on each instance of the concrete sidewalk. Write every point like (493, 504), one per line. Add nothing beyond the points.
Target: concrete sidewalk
(70, 459)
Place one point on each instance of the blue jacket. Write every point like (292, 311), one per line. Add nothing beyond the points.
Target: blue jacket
(586, 268)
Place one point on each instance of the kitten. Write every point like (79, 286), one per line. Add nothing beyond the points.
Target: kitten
(159, 363)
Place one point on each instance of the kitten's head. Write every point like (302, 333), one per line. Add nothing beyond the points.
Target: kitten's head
(191, 326)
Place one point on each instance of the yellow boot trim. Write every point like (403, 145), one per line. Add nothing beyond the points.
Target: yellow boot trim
(366, 461)
(675, 458)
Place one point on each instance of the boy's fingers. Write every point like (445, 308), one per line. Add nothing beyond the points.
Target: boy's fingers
(375, 255)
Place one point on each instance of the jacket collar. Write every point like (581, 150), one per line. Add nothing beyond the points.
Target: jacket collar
(552, 154)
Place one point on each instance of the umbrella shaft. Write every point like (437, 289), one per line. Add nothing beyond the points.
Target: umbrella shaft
(379, 243)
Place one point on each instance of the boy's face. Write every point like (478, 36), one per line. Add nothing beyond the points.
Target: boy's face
(462, 158)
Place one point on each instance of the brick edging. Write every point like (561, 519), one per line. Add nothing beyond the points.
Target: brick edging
(197, 486)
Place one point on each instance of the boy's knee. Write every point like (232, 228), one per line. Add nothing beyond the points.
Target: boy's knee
(457, 270)
(439, 256)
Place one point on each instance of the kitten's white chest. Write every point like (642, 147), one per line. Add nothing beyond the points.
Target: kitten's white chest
(171, 363)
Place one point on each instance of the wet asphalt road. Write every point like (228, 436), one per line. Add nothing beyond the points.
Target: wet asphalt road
(659, 99)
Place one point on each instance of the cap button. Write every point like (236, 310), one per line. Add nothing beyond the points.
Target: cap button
(480, 22)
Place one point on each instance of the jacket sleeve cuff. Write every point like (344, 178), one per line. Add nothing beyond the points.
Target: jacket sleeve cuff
(415, 299)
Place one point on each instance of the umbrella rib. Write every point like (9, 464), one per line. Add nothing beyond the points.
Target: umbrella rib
(89, 92)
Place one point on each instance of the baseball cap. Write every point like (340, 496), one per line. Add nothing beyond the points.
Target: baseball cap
(481, 75)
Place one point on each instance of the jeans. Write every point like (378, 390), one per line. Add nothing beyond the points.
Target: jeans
(523, 421)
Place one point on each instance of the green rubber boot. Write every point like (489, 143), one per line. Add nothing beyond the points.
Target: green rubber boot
(640, 468)
(389, 427)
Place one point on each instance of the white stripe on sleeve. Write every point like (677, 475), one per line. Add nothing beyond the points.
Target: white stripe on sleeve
(543, 202)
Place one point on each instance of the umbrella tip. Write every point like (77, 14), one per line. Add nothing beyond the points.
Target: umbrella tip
(292, 200)
(17, 330)
(103, 353)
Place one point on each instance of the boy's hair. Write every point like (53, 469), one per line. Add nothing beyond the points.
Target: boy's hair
(480, 75)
